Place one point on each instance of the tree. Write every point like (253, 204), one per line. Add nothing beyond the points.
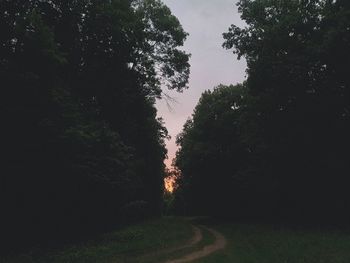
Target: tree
(79, 136)
(282, 155)
(210, 151)
(301, 95)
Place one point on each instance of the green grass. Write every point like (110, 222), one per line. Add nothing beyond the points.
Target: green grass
(247, 243)
(207, 238)
(268, 244)
(120, 246)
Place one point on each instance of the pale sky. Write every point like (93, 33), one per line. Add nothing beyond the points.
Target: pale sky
(211, 65)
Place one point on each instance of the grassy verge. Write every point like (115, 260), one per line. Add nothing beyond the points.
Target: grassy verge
(207, 238)
(120, 246)
(268, 244)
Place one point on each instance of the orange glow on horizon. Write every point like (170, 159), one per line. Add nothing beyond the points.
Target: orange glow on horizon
(172, 175)
(169, 184)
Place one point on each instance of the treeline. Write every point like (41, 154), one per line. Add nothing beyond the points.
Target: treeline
(81, 147)
(277, 146)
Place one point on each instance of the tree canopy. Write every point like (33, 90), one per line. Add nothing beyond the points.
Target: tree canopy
(291, 128)
(80, 140)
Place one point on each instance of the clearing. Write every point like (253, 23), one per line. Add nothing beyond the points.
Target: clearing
(177, 240)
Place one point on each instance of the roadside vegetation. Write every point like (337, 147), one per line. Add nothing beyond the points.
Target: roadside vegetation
(82, 148)
(161, 240)
(125, 245)
(275, 147)
(259, 243)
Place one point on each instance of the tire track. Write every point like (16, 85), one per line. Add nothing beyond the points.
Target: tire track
(220, 243)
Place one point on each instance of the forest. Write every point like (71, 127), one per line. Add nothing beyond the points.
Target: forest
(275, 147)
(83, 148)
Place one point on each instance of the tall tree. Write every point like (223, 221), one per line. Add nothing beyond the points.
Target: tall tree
(302, 97)
(211, 153)
(290, 132)
(79, 136)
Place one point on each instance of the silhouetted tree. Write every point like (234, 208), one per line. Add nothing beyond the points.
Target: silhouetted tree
(211, 152)
(79, 136)
(301, 87)
(294, 121)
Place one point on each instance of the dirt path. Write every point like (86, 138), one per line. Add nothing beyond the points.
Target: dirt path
(196, 238)
(220, 243)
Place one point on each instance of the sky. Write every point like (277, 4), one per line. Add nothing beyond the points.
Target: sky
(211, 65)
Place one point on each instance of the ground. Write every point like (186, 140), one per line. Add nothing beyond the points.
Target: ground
(253, 243)
(179, 240)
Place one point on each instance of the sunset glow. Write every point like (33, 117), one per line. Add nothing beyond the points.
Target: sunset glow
(169, 184)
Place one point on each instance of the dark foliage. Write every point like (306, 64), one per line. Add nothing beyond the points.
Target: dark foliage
(284, 153)
(80, 142)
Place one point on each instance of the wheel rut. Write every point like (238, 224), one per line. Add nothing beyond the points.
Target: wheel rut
(197, 237)
(220, 243)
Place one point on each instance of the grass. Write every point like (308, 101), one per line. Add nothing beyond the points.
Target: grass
(207, 238)
(247, 243)
(268, 244)
(120, 246)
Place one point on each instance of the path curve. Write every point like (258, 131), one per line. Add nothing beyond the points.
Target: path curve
(197, 237)
(220, 243)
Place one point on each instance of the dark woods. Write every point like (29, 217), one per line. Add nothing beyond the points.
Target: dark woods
(277, 146)
(81, 148)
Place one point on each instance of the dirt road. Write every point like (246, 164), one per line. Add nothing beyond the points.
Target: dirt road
(220, 243)
(197, 237)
